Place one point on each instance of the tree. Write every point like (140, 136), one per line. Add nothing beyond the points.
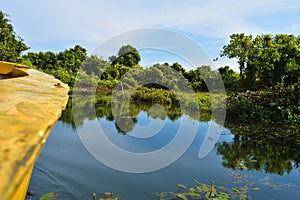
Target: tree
(239, 47)
(230, 78)
(63, 65)
(94, 65)
(178, 67)
(265, 59)
(277, 59)
(71, 59)
(44, 61)
(11, 45)
(127, 55)
(288, 66)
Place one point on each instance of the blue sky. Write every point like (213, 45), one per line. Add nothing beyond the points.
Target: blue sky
(59, 24)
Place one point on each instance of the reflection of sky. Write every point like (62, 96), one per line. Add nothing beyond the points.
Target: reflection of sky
(135, 144)
(66, 167)
(159, 139)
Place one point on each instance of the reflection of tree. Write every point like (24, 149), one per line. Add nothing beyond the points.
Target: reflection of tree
(124, 125)
(88, 108)
(84, 110)
(274, 156)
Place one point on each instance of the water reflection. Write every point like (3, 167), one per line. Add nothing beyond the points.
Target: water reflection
(278, 155)
(90, 108)
(270, 149)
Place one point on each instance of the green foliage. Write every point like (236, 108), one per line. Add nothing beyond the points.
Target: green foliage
(276, 105)
(230, 78)
(266, 60)
(239, 47)
(63, 65)
(48, 196)
(204, 191)
(176, 66)
(11, 45)
(141, 100)
(93, 65)
(202, 79)
(86, 81)
(107, 196)
(269, 148)
(127, 55)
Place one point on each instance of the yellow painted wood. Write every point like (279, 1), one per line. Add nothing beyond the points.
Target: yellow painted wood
(13, 69)
(29, 108)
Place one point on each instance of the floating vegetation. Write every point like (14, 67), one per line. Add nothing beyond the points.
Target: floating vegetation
(205, 191)
(266, 181)
(106, 196)
(49, 196)
(243, 184)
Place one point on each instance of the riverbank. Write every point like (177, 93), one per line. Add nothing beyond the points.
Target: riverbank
(276, 105)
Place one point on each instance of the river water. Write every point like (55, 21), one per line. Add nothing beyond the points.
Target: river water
(67, 167)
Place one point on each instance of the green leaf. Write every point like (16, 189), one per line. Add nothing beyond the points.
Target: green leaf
(182, 196)
(236, 190)
(108, 193)
(192, 194)
(199, 189)
(255, 188)
(245, 188)
(181, 186)
(223, 195)
(243, 197)
(221, 187)
(48, 196)
(162, 195)
(205, 188)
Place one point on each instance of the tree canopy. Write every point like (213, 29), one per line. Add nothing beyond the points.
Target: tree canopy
(266, 60)
(11, 45)
(63, 65)
(127, 55)
(239, 47)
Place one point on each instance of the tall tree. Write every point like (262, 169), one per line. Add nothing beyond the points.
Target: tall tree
(178, 67)
(239, 47)
(127, 55)
(11, 45)
(71, 59)
(288, 67)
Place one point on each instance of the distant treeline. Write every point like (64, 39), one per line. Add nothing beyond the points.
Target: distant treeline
(265, 61)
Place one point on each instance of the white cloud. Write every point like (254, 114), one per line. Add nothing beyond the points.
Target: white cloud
(91, 22)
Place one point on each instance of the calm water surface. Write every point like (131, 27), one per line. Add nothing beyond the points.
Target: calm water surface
(68, 169)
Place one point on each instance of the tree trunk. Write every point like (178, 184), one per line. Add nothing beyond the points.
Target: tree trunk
(242, 67)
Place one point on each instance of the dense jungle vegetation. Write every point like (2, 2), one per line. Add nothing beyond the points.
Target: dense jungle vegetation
(265, 89)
